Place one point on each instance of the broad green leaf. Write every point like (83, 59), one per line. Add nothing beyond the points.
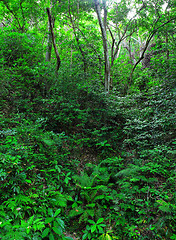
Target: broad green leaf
(45, 232)
(91, 221)
(84, 236)
(57, 212)
(57, 230)
(49, 220)
(100, 220)
(60, 222)
(51, 237)
(93, 228)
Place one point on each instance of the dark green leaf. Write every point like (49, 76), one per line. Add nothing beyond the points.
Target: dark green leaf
(45, 232)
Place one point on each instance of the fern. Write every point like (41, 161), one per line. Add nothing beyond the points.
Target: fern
(132, 170)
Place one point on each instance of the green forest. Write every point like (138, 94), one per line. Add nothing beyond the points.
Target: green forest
(87, 119)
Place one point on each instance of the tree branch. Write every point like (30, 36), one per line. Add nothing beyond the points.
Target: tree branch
(147, 44)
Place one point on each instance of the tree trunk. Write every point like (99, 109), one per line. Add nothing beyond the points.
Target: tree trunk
(105, 42)
(49, 37)
(49, 44)
(53, 40)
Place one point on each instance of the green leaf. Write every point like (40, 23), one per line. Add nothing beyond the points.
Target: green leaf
(45, 232)
(91, 221)
(30, 220)
(57, 212)
(100, 220)
(90, 205)
(69, 198)
(134, 179)
(93, 228)
(100, 229)
(84, 236)
(51, 237)
(60, 222)
(49, 220)
(50, 212)
(57, 230)
(37, 220)
(28, 181)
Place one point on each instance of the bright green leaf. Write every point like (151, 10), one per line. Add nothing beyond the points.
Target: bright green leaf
(91, 221)
(57, 212)
(93, 228)
(100, 220)
(49, 220)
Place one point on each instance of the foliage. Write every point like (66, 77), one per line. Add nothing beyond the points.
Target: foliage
(76, 163)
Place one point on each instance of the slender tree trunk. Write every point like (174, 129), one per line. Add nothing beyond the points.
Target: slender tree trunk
(49, 37)
(53, 40)
(49, 45)
(103, 25)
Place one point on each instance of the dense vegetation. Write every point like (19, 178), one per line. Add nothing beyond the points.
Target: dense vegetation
(87, 147)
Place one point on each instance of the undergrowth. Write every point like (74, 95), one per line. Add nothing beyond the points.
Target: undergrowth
(77, 164)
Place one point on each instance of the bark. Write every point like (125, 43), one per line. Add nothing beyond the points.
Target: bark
(105, 42)
(53, 40)
(49, 39)
(49, 44)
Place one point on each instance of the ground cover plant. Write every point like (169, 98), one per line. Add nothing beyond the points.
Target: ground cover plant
(81, 156)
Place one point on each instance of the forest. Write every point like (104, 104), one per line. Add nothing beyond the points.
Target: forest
(87, 119)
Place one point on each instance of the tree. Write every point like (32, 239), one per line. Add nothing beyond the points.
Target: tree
(20, 14)
(152, 19)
